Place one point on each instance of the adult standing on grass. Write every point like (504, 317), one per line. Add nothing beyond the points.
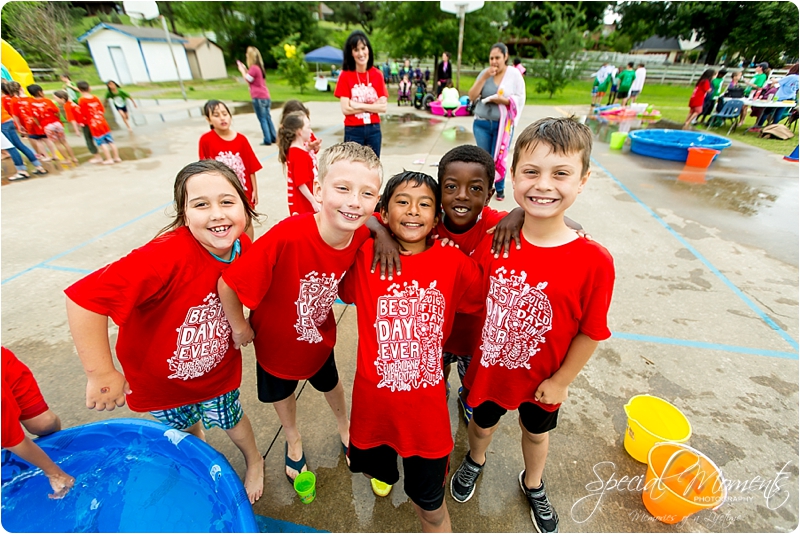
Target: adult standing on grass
(500, 92)
(362, 93)
(255, 75)
(638, 81)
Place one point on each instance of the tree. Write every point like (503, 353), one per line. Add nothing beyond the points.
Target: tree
(563, 39)
(291, 63)
(422, 29)
(529, 18)
(43, 28)
(743, 27)
(260, 24)
(361, 13)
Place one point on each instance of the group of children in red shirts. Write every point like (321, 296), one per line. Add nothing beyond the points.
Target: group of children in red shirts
(38, 118)
(531, 317)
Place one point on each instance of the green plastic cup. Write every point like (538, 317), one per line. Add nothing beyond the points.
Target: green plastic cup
(305, 486)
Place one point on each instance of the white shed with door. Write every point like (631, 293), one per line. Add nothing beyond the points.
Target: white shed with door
(205, 59)
(131, 54)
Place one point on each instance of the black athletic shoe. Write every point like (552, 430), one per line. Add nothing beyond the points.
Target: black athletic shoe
(543, 515)
(462, 485)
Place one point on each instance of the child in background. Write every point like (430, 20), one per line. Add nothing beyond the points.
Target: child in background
(712, 96)
(26, 123)
(614, 81)
(92, 111)
(174, 342)
(294, 134)
(73, 114)
(602, 81)
(702, 87)
(450, 98)
(399, 407)
(24, 406)
(625, 80)
(233, 149)
(289, 282)
(10, 133)
(312, 146)
(120, 100)
(46, 115)
(546, 311)
(73, 93)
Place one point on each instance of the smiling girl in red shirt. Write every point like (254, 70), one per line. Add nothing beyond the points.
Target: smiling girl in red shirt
(174, 341)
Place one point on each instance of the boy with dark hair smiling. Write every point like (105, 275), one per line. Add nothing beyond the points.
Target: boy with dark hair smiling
(399, 406)
(546, 310)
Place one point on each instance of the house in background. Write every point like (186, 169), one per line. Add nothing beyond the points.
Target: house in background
(206, 60)
(675, 48)
(131, 54)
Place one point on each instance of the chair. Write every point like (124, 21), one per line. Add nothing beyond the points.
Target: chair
(791, 119)
(730, 111)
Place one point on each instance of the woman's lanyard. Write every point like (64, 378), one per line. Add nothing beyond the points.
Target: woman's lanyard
(237, 251)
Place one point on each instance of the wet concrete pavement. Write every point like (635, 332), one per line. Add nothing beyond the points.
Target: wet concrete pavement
(705, 315)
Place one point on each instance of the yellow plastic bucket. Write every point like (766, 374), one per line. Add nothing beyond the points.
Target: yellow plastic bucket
(652, 420)
(617, 140)
(681, 481)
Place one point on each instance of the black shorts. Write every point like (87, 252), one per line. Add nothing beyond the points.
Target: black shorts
(36, 136)
(535, 419)
(274, 389)
(424, 479)
(623, 94)
(123, 109)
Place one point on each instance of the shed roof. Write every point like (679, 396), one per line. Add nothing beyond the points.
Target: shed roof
(193, 43)
(657, 42)
(140, 33)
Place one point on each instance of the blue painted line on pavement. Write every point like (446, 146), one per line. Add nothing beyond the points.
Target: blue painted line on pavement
(62, 268)
(44, 263)
(738, 292)
(704, 345)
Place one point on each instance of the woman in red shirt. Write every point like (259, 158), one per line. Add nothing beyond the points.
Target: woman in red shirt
(362, 93)
(699, 95)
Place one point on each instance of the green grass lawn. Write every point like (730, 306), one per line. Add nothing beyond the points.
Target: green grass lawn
(671, 100)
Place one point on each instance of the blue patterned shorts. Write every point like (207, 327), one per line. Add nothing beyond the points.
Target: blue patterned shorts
(224, 412)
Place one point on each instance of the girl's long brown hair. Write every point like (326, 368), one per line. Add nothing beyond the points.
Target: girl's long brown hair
(253, 57)
(287, 132)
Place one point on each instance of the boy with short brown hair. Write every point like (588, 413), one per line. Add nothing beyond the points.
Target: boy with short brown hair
(546, 310)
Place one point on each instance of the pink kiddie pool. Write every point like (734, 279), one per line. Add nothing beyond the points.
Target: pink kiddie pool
(437, 109)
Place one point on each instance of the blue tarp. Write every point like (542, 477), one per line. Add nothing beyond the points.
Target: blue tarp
(326, 54)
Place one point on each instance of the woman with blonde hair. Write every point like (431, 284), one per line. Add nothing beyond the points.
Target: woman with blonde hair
(255, 75)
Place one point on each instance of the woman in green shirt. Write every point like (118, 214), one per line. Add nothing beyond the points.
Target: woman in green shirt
(119, 99)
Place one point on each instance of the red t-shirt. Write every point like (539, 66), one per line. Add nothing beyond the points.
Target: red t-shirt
(699, 94)
(300, 169)
(73, 113)
(21, 398)
(174, 341)
(45, 111)
(538, 300)
(466, 332)
(236, 154)
(21, 107)
(366, 88)
(93, 112)
(7, 111)
(398, 393)
(295, 329)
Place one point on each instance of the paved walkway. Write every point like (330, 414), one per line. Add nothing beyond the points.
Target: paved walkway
(705, 315)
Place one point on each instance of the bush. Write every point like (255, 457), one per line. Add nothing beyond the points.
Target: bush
(291, 65)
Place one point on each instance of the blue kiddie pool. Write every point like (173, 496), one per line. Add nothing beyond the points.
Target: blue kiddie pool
(673, 144)
(130, 475)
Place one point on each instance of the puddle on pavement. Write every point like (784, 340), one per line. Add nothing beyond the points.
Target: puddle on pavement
(411, 133)
(716, 191)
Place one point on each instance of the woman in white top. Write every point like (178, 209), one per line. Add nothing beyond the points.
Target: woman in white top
(500, 92)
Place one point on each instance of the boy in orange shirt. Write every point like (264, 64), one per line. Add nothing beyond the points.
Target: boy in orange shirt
(74, 116)
(46, 114)
(93, 113)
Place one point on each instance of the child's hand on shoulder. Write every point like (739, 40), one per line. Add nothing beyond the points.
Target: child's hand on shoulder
(386, 253)
(505, 231)
(106, 391)
(551, 392)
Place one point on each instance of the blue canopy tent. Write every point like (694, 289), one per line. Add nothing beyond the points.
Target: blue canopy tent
(326, 54)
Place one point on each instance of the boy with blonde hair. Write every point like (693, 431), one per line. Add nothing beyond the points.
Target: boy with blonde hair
(289, 281)
(546, 310)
